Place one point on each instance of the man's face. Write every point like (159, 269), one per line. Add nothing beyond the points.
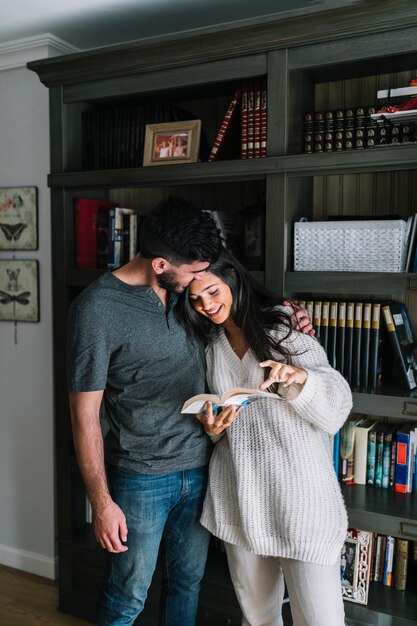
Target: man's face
(177, 277)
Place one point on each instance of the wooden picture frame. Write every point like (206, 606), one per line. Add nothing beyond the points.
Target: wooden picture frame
(355, 566)
(172, 142)
(19, 290)
(253, 237)
(18, 218)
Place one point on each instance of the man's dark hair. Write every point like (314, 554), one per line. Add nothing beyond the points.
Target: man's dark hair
(180, 233)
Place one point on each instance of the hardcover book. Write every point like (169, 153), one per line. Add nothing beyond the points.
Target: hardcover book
(402, 341)
(230, 115)
(361, 449)
(85, 214)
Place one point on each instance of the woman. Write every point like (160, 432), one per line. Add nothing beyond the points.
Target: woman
(272, 489)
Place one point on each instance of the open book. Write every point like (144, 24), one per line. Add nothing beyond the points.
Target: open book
(237, 396)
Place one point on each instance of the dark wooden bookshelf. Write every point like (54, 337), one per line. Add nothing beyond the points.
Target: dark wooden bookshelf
(310, 65)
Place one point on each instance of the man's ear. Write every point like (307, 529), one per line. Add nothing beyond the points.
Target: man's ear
(159, 265)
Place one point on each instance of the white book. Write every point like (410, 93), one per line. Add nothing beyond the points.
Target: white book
(236, 396)
(361, 450)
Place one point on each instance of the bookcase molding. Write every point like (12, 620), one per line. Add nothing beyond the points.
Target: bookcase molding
(323, 59)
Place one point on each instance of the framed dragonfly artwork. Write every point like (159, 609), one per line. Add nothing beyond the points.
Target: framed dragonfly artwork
(19, 293)
(18, 218)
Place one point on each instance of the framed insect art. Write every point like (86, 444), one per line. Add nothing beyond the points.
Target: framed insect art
(19, 297)
(18, 218)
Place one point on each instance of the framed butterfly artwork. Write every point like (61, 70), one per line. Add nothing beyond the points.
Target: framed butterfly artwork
(18, 218)
(19, 292)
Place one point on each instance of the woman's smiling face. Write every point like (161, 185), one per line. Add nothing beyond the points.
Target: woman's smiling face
(211, 297)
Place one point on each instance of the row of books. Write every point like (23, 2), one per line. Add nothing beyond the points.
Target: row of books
(351, 129)
(106, 235)
(114, 137)
(366, 341)
(369, 451)
(250, 101)
(393, 561)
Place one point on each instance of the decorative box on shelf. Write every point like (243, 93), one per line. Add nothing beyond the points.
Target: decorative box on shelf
(350, 246)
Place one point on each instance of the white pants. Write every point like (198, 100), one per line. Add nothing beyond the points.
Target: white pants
(314, 590)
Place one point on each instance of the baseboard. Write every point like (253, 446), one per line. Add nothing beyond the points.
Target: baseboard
(29, 562)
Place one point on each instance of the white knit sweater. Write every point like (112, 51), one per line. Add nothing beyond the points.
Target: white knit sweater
(272, 486)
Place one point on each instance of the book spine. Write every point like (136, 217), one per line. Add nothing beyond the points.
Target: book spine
(382, 561)
(257, 120)
(85, 234)
(386, 460)
(221, 134)
(324, 325)
(371, 463)
(310, 309)
(317, 318)
(340, 339)
(250, 119)
(336, 453)
(331, 351)
(374, 345)
(133, 235)
(356, 352)
(244, 126)
(378, 549)
(347, 372)
(393, 460)
(264, 117)
(365, 340)
(308, 132)
(401, 564)
(402, 460)
(379, 458)
(388, 571)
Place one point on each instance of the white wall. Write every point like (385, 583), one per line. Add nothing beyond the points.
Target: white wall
(27, 498)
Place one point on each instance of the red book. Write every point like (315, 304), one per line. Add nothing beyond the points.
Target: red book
(244, 154)
(222, 132)
(250, 119)
(256, 119)
(85, 232)
(264, 98)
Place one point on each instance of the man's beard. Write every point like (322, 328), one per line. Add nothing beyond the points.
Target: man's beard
(168, 280)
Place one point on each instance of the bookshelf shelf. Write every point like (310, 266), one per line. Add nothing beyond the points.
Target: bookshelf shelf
(350, 282)
(381, 159)
(387, 401)
(204, 70)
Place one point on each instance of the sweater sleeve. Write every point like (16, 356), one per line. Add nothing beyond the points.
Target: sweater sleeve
(325, 400)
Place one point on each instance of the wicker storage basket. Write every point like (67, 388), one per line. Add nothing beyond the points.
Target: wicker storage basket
(350, 246)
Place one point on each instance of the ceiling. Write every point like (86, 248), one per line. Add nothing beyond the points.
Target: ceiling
(94, 23)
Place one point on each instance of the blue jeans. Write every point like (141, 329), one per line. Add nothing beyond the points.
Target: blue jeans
(169, 506)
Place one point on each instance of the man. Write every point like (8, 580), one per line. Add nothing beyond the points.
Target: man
(127, 345)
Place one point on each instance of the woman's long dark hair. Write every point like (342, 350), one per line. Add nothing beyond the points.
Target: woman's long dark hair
(252, 310)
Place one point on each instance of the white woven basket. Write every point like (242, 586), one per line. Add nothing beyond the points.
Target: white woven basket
(351, 246)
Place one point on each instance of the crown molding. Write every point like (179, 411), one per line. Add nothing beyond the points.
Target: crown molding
(17, 53)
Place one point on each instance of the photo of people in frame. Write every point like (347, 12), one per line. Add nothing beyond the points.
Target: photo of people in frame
(348, 564)
(171, 146)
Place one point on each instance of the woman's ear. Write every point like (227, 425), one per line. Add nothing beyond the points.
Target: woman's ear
(159, 265)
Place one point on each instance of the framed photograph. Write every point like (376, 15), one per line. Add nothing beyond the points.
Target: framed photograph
(172, 142)
(19, 293)
(18, 218)
(355, 566)
(253, 233)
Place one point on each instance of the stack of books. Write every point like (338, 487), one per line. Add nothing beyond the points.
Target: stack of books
(106, 235)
